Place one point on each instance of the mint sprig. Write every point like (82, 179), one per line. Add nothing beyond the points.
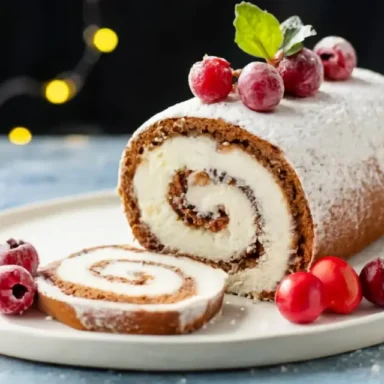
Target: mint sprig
(294, 32)
(258, 32)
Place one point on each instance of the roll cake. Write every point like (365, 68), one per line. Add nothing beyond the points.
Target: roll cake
(122, 289)
(260, 195)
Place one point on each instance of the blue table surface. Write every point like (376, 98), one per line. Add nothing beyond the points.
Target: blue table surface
(50, 168)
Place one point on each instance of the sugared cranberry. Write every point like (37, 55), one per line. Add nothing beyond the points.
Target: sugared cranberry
(19, 253)
(300, 297)
(372, 281)
(302, 73)
(342, 285)
(338, 57)
(211, 79)
(260, 87)
(17, 289)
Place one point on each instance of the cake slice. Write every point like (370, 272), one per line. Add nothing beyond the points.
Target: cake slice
(122, 289)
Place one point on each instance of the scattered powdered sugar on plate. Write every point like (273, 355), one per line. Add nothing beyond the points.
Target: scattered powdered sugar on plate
(375, 368)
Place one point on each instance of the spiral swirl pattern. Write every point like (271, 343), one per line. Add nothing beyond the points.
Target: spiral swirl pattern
(104, 285)
(217, 203)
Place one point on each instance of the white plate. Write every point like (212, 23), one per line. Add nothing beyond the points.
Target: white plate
(245, 335)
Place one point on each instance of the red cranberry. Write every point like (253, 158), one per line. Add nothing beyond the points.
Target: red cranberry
(302, 73)
(260, 87)
(300, 297)
(19, 253)
(341, 282)
(211, 79)
(372, 281)
(17, 289)
(338, 57)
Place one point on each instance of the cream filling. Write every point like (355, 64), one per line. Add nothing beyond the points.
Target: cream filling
(241, 228)
(151, 183)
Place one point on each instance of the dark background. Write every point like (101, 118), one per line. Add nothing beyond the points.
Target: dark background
(159, 40)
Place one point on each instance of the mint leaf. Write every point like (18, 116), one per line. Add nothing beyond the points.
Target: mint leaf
(258, 32)
(294, 33)
(289, 28)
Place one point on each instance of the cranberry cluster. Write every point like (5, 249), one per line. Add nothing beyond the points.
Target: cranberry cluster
(331, 284)
(18, 266)
(261, 86)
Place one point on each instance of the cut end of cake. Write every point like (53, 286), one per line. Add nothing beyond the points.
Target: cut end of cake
(214, 192)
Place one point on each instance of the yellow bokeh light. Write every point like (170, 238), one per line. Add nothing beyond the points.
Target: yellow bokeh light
(58, 91)
(20, 136)
(105, 40)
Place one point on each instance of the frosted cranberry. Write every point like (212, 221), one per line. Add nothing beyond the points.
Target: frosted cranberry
(300, 297)
(338, 57)
(17, 289)
(372, 281)
(302, 73)
(260, 87)
(19, 253)
(211, 79)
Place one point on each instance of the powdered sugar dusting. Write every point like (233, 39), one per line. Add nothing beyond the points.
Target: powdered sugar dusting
(375, 368)
(334, 141)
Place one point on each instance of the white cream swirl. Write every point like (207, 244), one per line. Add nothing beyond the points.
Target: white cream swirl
(151, 182)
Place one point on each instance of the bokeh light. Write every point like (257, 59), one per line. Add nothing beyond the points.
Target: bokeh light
(59, 91)
(20, 136)
(105, 40)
